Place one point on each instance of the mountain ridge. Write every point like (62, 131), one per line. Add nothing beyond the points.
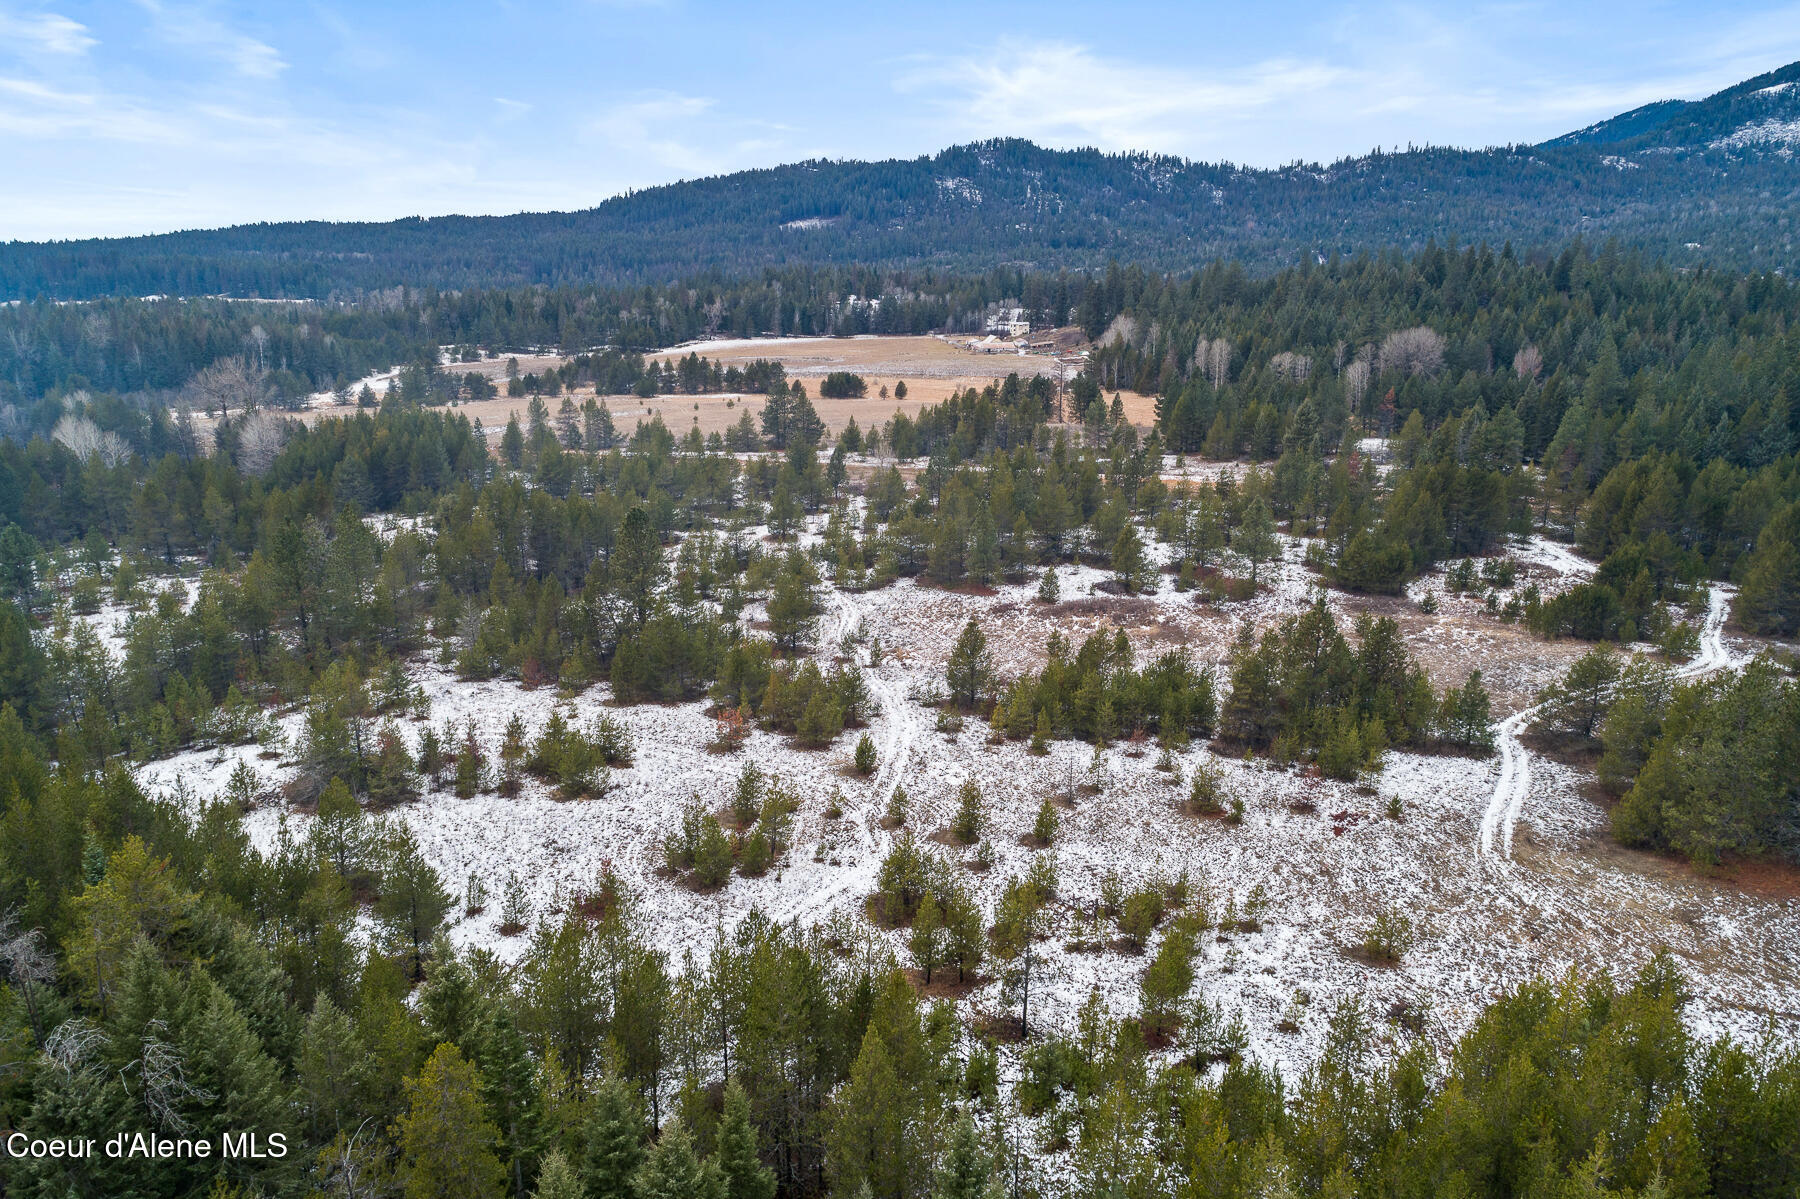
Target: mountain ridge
(1685, 124)
(1703, 182)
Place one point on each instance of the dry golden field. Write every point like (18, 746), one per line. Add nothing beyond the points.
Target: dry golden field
(933, 369)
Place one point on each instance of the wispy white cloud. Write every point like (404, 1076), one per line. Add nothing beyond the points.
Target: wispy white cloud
(180, 113)
(1386, 74)
(1064, 94)
(356, 51)
(1734, 49)
(650, 127)
(192, 28)
(44, 32)
(35, 109)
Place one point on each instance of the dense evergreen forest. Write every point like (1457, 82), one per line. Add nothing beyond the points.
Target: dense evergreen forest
(1397, 412)
(279, 353)
(1712, 182)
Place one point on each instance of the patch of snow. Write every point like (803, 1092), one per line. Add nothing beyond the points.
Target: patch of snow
(1323, 851)
(956, 188)
(1760, 134)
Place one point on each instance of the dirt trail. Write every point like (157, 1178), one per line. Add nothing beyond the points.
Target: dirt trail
(897, 719)
(1514, 785)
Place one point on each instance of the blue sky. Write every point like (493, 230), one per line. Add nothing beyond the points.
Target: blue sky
(148, 115)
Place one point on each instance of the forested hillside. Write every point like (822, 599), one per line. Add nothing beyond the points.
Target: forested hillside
(282, 601)
(159, 346)
(1712, 182)
(996, 796)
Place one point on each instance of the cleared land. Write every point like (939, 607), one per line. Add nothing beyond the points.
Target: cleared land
(1324, 853)
(933, 369)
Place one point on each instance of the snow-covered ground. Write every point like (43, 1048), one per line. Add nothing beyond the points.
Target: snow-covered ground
(1505, 867)
(720, 344)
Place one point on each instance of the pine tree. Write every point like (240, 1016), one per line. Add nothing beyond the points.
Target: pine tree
(636, 569)
(1342, 754)
(392, 778)
(674, 1171)
(1267, 1173)
(1769, 601)
(1105, 723)
(471, 764)
(413, 902)
(712, 855)
(1575, 705)
(387, 1030)
(558, 1180)
(1167, 980)
(747, 795)
(331, 1066)
(793, 608)
(970, 666)
(1250, 716)
(510, 1089)
(1043, 830)
(515, 906)
(340, 831)
(745, 1176)
(1467, 715)
(1671, 1154)
(928, 936)
(966, 824)
(1128, 559)
(136, 897)
(612, 1138)
(866, 1142)
(984, 548)
(512, 756)
(755, 856)
(1040, 735)
(820, 722)
(1256, 539)
(445, 1139)
(784, 512)
(1017, 922)
(1207, 798)
(448, 1000)
(1019, 549)
(967, 1171)
(512, 443)
(965, 932)
(865, 755)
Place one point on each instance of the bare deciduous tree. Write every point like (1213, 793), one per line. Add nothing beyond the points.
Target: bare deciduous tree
(74, 1044)
(1123, 330)
(1289, 365)
(83, 438)
(260, 436)
(1415, 351)
(1212, 358)
(228, 385)
(27, 963)
(1528, 363)
(163, 1077)
(1356, 380)
(187, 438)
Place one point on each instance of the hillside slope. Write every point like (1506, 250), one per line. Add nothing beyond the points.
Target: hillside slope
(1706, 182)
